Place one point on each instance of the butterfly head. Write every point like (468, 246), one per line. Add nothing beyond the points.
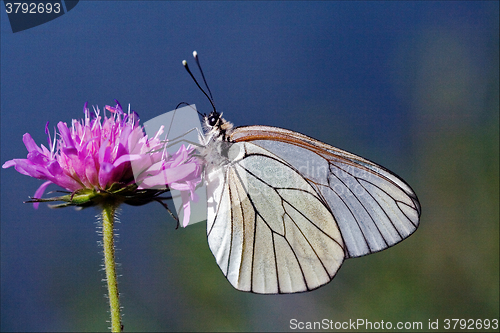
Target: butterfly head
(217, 126)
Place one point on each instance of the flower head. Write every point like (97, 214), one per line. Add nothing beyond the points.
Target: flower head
(108, 158)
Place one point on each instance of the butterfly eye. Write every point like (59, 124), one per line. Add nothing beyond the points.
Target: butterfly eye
(212, 119)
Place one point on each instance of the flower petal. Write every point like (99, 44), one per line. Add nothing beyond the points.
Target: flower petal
(8, 164)
(39, 193)
(169, 176)
(66, 135)
(54, 168)
(91, 170)
(105, 174)
(30, 143)
(25, 167)
(36, 157)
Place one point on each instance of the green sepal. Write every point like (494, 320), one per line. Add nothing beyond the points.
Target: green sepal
(117, 193)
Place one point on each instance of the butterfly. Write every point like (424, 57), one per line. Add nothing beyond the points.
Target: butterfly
(285, 210)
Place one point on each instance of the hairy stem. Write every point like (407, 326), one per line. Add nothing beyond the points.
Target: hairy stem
(108, 219)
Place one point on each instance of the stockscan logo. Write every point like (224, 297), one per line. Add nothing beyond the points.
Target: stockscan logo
(28, 14)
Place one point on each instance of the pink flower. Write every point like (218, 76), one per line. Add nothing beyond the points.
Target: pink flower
(108, 158)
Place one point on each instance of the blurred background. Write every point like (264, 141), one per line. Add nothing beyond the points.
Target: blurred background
(413, 86)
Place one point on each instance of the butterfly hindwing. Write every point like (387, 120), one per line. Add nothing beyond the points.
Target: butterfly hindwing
(271, 231)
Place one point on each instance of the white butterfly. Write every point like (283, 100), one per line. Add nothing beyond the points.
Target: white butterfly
(285, 210)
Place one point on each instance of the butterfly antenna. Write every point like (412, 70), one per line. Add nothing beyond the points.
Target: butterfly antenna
(187, 104)
(184, 63)
(195, 55)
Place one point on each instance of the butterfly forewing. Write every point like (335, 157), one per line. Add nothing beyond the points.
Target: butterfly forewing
(373, 207)
(271, 231)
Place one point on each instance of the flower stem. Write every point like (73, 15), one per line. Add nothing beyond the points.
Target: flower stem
(108, 218)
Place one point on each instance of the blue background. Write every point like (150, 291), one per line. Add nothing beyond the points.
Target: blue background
(413, 86)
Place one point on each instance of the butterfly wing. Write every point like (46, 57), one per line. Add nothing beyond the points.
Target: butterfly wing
(268, 228)
(372, 206)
